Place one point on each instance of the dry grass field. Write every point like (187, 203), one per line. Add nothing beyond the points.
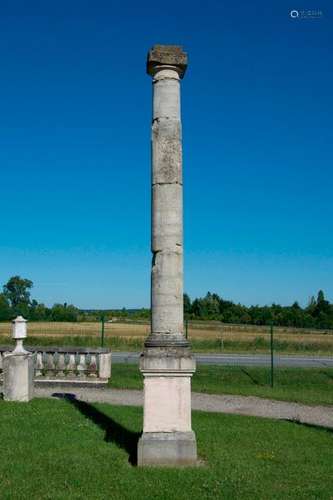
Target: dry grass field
(59, 329)
(211, 334)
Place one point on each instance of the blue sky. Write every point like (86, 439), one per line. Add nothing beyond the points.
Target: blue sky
(75, 152)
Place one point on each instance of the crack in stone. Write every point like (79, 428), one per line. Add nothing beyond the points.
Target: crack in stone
(171, 183)
(167, 118)
(155, 253)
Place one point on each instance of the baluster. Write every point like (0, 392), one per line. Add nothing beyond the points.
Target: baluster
(55, 361)
(88, 359)
(39, 365)
(61, 365)
(66, 362)
(71, 366)
(77, 362)
(81, 367)
(50, 365)
(44, 361)
(93, 366)
(97, 364)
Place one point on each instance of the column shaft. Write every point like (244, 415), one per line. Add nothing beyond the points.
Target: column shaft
(167, 207)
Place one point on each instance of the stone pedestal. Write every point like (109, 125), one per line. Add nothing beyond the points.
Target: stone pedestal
(18, 373)
(167, 437)
(104, 369)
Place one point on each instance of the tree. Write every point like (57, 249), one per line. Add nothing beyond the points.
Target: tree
(211, 305)
(61, 312)
(311, 301)
(187, 305)
(197, 308)
(320, 297)
(322, 309)
(17, 292)
(318, 313)
(5, 310)
(38, 312)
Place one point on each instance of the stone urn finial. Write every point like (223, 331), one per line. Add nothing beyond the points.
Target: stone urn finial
(19, 333)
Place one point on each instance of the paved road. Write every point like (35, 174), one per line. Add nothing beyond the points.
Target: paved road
(242, 359)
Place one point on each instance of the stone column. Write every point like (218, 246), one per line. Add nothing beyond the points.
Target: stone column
(166, 363)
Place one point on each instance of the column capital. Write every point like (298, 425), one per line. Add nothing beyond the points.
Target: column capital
(167, 56)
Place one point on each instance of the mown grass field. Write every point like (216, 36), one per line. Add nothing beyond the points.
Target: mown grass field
(208, 336)
(57, 449)
(312, 386)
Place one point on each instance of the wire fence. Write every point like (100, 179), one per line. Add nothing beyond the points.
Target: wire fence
(266, 344)
(256, 356)
(204, 336)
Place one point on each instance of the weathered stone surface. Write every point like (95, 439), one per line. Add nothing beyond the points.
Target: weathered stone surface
(166, 100)
(167, 292)
(167, 403)
(168, 360)
(167, 206)
(104, 369)
(166, 152)
(166, 340)
(169, 55)
(18, 373)
(167, 449)
(167, 389)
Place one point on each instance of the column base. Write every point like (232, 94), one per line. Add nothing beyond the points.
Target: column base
(160, 340)
(167, 449)
(167, 437)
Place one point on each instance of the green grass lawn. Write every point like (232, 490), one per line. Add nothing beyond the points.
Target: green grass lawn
(303, 385)
(57, 449)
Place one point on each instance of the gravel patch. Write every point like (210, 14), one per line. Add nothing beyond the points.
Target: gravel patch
(242, 405)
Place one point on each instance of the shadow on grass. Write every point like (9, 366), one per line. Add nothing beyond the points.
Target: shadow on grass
(253, 380)
(310, 426)
(328, 375)
(114, 432)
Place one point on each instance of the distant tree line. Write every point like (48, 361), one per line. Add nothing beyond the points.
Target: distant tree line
(317, 314)
(16, 299)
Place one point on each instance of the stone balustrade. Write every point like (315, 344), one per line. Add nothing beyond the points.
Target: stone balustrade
(68, 364)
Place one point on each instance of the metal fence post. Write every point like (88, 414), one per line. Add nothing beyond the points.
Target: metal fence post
(102, 331)
(272, 357)
(221, 338)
